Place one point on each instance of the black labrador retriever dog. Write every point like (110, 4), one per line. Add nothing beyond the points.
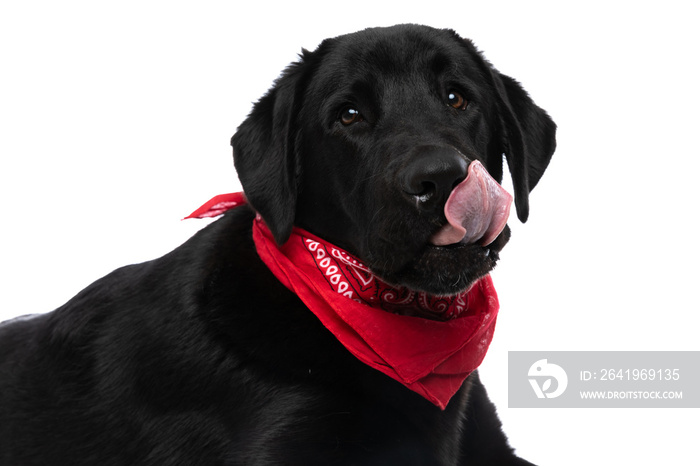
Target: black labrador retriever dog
(204, 356)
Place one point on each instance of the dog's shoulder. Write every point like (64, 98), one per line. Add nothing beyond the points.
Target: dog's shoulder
(143, 335)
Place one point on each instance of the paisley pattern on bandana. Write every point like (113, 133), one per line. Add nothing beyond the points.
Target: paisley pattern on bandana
(348, 276)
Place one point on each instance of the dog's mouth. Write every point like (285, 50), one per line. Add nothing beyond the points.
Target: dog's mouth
(446, 270)
(466, 247)
(476, 211)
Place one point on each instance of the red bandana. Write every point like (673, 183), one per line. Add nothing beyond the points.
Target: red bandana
(430, 357)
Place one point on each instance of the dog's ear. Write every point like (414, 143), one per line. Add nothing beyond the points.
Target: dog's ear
(264, 152)
(528, 138)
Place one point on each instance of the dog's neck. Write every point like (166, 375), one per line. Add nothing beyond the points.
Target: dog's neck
(431, 356)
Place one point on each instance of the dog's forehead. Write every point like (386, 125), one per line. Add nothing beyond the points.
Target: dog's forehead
(390, 49)
(394, 51)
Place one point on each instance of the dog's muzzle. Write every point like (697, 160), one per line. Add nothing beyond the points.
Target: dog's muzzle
(476, 206)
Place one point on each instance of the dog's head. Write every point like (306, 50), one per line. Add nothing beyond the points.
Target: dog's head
(363, 142)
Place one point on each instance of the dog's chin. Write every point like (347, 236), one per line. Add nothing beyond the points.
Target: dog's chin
(447, 270)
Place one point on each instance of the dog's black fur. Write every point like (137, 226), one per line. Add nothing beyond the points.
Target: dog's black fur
(203, 357)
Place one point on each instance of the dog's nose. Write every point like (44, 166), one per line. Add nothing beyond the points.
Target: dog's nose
(432, 173)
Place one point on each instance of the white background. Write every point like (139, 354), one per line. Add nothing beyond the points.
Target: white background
(115, 120)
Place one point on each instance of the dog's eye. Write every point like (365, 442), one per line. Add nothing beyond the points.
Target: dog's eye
(455, 100)
(349, 116)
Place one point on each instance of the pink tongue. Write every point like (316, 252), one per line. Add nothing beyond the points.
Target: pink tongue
(477, 210)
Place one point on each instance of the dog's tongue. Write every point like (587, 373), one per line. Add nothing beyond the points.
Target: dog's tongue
(477, 210)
